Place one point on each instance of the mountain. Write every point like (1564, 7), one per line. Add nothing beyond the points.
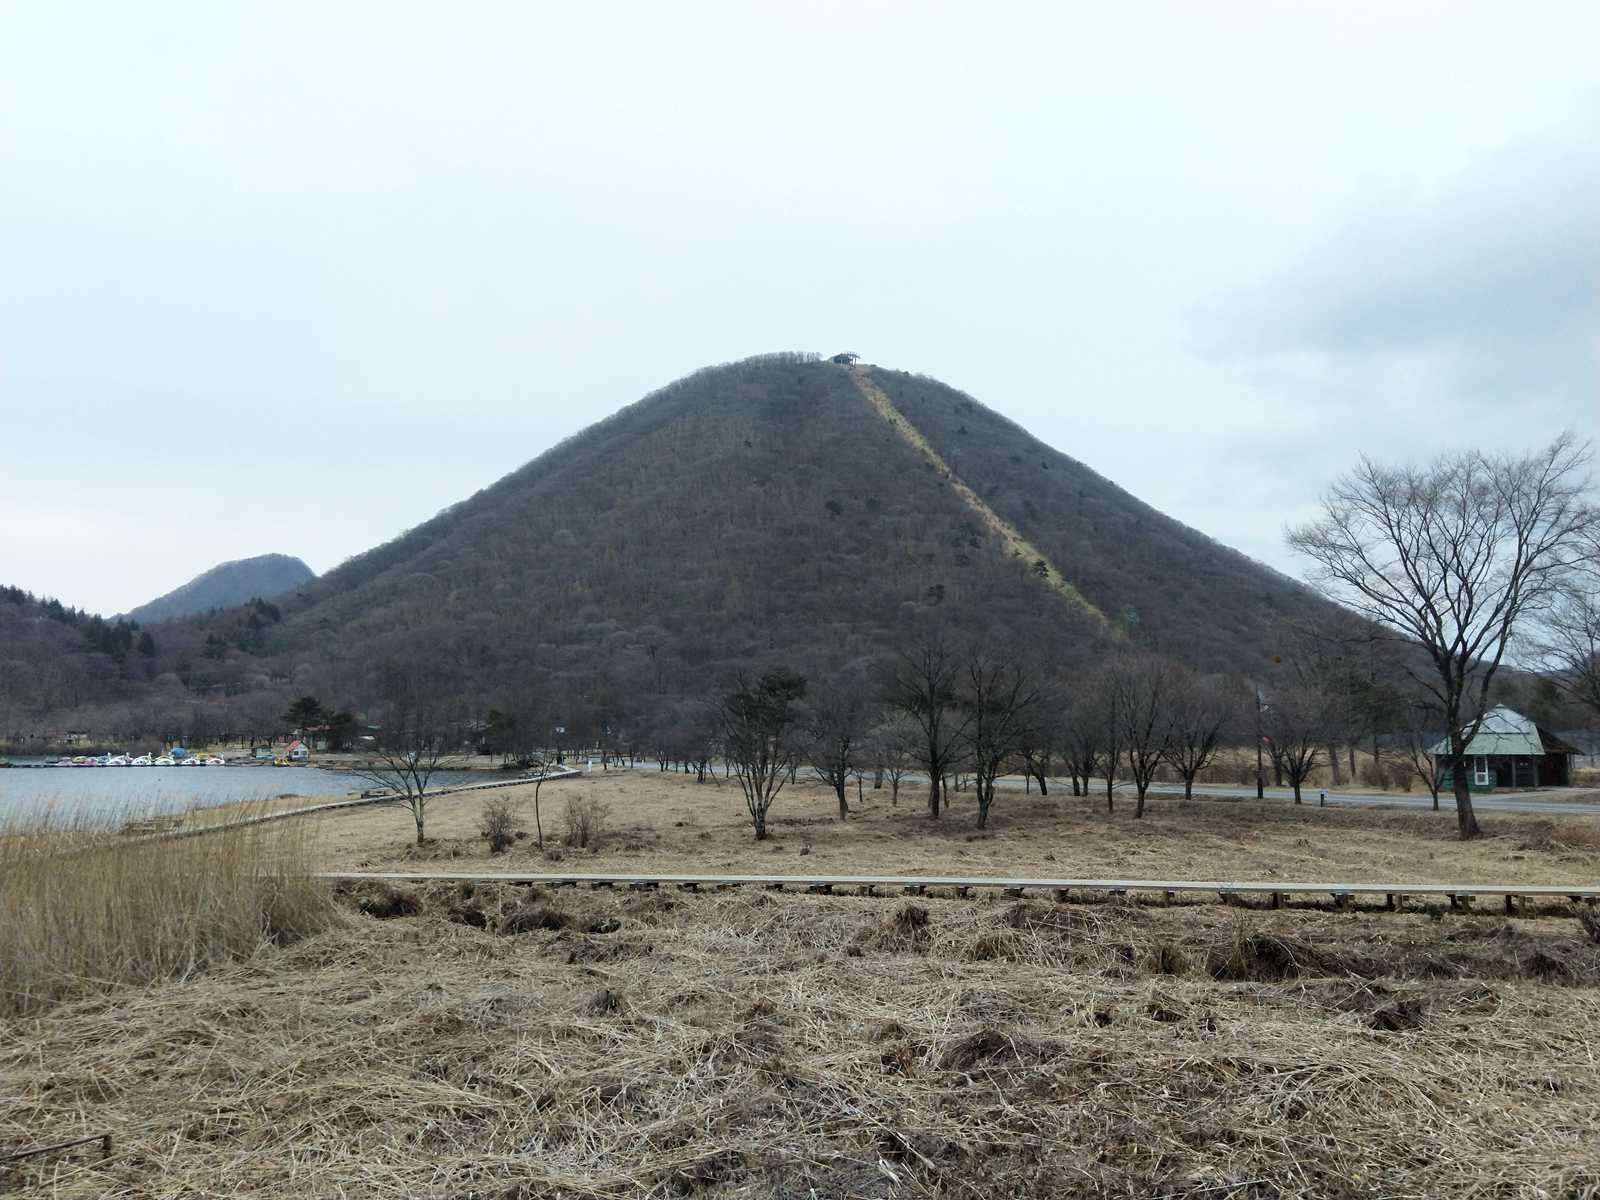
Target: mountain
(226, 585)
(782, 509)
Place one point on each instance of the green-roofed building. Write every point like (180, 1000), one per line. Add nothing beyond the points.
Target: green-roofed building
(1509, 751)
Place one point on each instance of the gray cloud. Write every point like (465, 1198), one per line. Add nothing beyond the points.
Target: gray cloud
(1485, 287)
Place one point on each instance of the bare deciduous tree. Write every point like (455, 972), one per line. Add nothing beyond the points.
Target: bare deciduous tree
(1002, 703)
(1569, 640)
(758, 721)
(836, 726)
(922, 687)
(1451, 557)
(1417, 733)
(1081, 739)
(893, 744)
(1099, 701)
(417, 738)
(1202, 711)
(1041, 743)
(1140, 688)
(1297, 720)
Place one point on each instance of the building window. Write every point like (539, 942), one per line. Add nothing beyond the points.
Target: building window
(1481, 770)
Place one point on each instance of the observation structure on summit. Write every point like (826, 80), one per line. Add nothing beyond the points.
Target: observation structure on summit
(846, 358)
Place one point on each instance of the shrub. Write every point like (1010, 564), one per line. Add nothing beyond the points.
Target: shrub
(499, 823)
(586, 820)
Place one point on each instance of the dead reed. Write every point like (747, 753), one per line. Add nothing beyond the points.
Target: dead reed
(88, 907)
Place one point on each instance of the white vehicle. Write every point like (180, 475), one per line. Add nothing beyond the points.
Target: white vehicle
(211, 760)
(166, 760)
(144, 760)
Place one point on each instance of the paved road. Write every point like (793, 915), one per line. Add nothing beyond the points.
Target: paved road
(1528, 803)
(1523, 803)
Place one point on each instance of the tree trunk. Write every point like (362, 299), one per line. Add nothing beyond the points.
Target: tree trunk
(844, 799)
(983, 810)
(1333, 765)
(416, 813)
(1188, 787)
(894, 793)
(1466, 821)
(1297, 789)
(933, 796)
(761, 827)
(1138, 805)
(1111, 782)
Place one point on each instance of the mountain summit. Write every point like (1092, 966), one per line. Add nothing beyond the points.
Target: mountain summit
(226, 585)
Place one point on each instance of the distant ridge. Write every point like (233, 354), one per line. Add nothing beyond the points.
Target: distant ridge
(226, 585)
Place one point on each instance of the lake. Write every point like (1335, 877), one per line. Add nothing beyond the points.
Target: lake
(117, 791)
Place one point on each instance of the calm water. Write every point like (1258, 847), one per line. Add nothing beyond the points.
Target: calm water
(119, 790)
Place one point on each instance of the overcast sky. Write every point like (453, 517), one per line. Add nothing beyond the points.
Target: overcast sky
(293, 277)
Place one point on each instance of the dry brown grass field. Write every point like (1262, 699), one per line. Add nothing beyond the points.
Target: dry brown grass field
(668, 822)
(474, 1041)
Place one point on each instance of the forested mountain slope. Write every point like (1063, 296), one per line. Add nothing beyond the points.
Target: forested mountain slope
(768, 510)
(226, 585)
(761, 511)
(56, 659)
(780, 509)
(1161, 581)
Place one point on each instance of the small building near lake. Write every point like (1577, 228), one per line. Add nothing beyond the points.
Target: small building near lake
(1509, 751)
(298, 752)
